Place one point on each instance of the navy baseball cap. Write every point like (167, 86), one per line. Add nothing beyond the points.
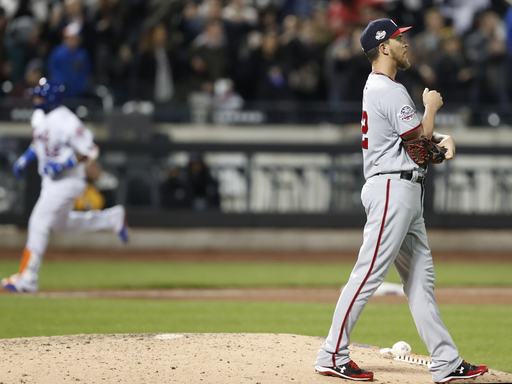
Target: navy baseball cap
(379, 31)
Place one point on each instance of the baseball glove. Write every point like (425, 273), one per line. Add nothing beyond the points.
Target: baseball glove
(423, 151)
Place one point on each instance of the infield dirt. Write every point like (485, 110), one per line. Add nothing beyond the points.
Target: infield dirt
(217, 358)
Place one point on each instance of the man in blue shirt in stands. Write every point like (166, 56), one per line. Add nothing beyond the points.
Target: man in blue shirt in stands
(69, 63)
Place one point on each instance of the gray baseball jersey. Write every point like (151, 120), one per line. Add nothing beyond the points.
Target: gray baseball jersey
(394, 233)
(388, 114)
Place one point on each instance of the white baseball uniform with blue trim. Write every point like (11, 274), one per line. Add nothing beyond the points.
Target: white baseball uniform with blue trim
(58, 135)
(394, 232)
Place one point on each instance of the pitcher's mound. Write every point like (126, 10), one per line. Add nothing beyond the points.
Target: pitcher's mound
(190, 358)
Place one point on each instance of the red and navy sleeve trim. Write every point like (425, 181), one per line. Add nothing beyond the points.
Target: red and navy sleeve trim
(410, 130)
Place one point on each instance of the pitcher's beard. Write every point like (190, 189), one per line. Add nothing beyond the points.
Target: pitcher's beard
(402, 62)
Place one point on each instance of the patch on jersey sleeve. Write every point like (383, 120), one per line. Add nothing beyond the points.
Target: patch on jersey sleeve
(406, 113)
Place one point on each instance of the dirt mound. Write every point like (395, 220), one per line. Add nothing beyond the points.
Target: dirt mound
(189, 358)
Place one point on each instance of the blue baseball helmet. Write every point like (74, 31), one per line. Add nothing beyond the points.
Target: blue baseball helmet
(52, 91)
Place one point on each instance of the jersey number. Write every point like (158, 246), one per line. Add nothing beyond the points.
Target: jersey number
(364, 128)
(51, 152)
(48, 150)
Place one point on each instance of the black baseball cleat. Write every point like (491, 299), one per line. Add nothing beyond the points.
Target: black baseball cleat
(349, 371)
(465, 371)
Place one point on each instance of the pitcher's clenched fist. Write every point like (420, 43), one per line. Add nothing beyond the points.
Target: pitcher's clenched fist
(432, 99)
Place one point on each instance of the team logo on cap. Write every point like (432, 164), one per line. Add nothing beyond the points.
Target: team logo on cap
(380, 35)
(406, 113)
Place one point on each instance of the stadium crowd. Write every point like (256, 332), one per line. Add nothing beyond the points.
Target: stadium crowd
(231, 51)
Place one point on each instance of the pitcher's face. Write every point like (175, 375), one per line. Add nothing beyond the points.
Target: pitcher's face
(398, 47)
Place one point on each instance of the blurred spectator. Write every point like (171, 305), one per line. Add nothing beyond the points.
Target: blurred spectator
(304, 61)
(407, 12)
(51, 29)
(74, 13)
(10, 7)
(190, 24)
(427, 43)
(264, 4)
(266, 71)
(5, 66)
(486, 51)
(208, 57)
(135, 14)
(226, 98)
(18, 40)
(301, 8)
(267, 50)
(463, 12)
(33, 72)
(208, 63)
(508, 26)
(192, 188)
(203, 188)
(38, 9)
(174, 192)
(154, 70)
(291, 27)
(234, 32)
(110, 34)
(161, 11)
(369, 12)
(69, 63)
(59, 15)
(239, 12)
(347, 68)
(121, 74)
(268, 19)
(343, 14)
(452, 71)
(210, 9)
(322, 34)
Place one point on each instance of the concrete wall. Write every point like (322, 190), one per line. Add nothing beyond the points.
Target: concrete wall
(310, 134)
(257, 239)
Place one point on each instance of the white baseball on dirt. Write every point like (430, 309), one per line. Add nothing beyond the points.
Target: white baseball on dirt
(401, 348)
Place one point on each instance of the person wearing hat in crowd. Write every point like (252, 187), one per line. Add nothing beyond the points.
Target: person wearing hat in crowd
(393, 199)
(69, 63)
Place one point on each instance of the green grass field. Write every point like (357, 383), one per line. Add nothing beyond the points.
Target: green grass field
(483, 334)
(148, 274)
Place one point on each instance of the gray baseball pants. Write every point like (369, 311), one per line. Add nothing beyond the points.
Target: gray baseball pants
(394, 233)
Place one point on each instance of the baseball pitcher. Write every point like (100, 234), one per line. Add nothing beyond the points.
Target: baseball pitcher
(397, 148)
